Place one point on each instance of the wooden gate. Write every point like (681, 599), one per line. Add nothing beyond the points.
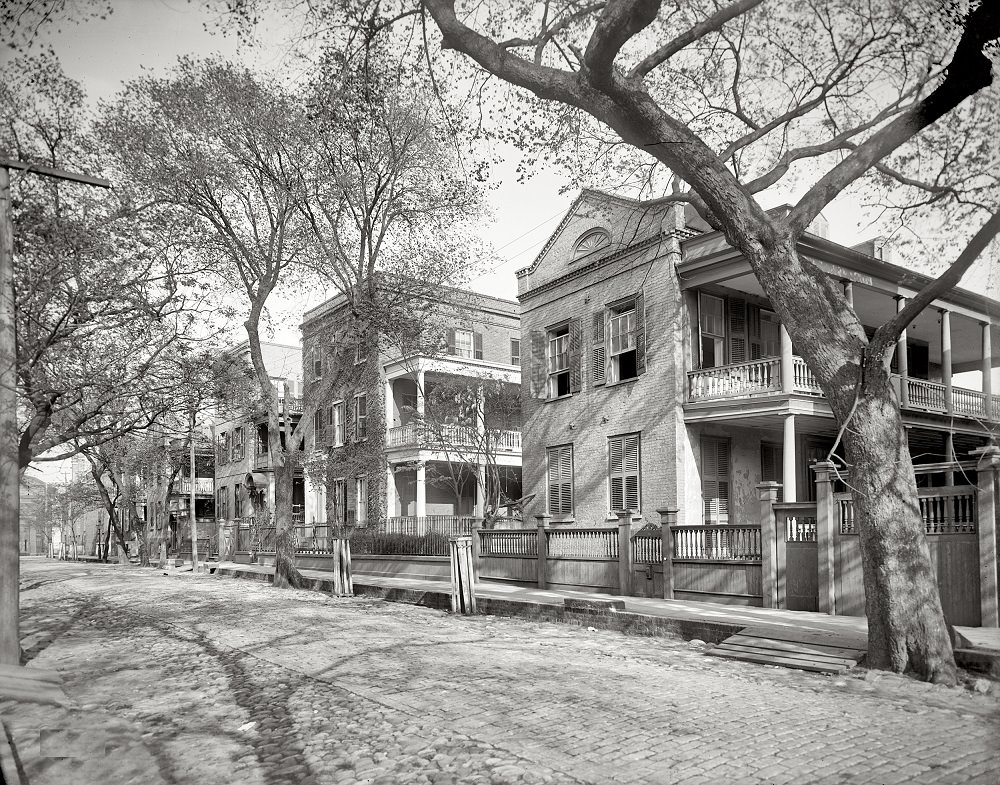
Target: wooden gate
(796, 532)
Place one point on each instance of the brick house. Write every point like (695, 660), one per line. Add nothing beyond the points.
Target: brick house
(385, 455)
(658, 375)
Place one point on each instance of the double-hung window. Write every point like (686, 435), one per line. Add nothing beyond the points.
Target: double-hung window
(361, 500)
(223, 451)
(339, 423)
(558, 362)
(515, 351)
(712, 321)
(465, 345)
(622, 340)
(318, 424)
(624, 472)
(361, 416)
(222, 503)
(715, 479)
(239, 443)
(560, 480)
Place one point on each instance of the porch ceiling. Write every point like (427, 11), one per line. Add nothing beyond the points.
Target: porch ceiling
(874, 308)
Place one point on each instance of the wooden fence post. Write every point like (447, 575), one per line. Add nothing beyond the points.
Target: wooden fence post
(826, 515)
(625, 561)
(476, 553)
(767, 494)
(987, 470)
(343, 582)
(463, 588)
(543, 551)
(668, 518)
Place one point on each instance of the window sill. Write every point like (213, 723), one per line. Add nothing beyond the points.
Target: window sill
(621, 382)
(559, 398)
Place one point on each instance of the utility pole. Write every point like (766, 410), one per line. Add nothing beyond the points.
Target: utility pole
(10, 568)
(194, 519)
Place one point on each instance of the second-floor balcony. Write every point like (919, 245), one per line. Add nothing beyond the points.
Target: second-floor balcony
(203, 486)
(763, 377)
(449, 437)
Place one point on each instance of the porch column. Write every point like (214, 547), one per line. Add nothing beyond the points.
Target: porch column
(391, 497)
(421, 509)
(788, 462)
(902, 363)
(946, 358)
(948, 444)
(987, 469)
(390, 420)
(420, 392)
(480, 493)
(787, 369)
(825, 518)
(849, 292)
(987, 371)
(767, 495)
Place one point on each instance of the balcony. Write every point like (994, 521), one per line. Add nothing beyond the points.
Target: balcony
(763, 378)
(419, 435)
(203, 486)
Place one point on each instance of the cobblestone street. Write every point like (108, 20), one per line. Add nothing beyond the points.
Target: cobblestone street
(234, 681)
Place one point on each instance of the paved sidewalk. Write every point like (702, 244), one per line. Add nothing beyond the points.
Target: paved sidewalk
(696, 614)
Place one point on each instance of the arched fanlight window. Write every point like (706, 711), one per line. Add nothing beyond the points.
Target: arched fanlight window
(590, 242)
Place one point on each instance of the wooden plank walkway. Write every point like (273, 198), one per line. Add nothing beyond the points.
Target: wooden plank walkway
(802, 649)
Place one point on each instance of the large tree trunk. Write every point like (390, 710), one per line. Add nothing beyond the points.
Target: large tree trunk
(906, 627)
(285, 573)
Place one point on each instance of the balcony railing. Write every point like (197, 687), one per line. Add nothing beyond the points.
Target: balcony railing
(445, 436)
(202, 485)
(763, 377)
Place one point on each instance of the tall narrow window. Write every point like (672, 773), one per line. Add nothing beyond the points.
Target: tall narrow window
(239, 444)
(222, 503)
(715, 479)
(223, 451)
(515, 351)
(339, 423)
(622, 335)
(317, 366)
(712, 323)
(464, 343)
(361, 500)
(339, 502)
(558, 362)
(623, 472)
(318, 433)
(560, 477)
(361, 416)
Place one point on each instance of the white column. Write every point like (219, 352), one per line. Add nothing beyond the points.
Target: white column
(946, 358)
(902, 363)
(787, 369)
(480, 493)
(987, 370)
(421, 510)
(948, 447)
(390, 408)
(391, 497)
(788, 463)
(849, 292)
(420, 392)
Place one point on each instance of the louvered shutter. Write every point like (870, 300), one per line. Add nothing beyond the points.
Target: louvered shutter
(575, 355)
(599, 357)
(754, 332)
(615, 450)
(451, 340)
(538, 372)
(737, 330)
(477, 339)
(640, 333)
(715, 479)
(623, 472)
(630, 469)
(560, 480)
(771, 460)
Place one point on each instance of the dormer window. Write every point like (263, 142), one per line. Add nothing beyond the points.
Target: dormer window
(590, 242)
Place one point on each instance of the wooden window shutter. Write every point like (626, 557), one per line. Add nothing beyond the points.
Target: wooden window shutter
(623, 472)
(640, 333)
(737, 330)
(771, 465)
(451, 340)
(538, 372)
(575, 355)
(477, 342)
(560, 480)
(715, 479)
(754, 332)
(599, 357)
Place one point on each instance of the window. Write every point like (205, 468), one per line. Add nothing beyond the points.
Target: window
(712, 321)
(622, 330)
(560, 478)
(623, 472)
(591, 241)
(359, 351)
(361, 416)
(317, 366)
(558, 362)
(339, 423)
(222, 503)
(515, 351)
(361, 500)
(770, 335)
(715, 479)
(772, 464)
(339, 510)
(464, 343)
(223, 451)
(238, 450)
(318, 425)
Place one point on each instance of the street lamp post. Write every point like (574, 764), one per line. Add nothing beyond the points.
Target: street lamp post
(10, 640)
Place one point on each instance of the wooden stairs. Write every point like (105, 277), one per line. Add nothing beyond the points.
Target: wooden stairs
(807, 650)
